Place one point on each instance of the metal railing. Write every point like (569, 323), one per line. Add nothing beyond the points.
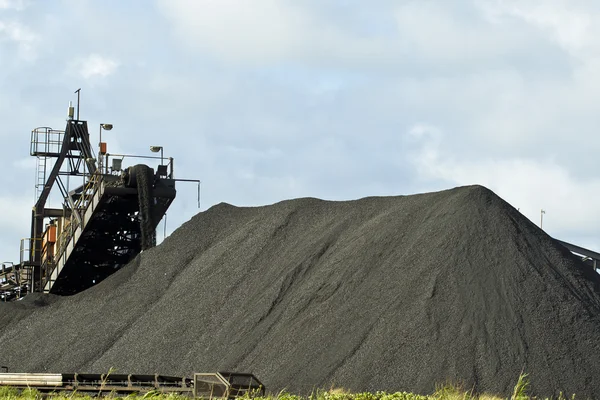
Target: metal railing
(46, 141)
(163, 161)
(28, 246)
(77, 220)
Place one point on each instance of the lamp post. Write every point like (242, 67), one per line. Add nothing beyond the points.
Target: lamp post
(156, 149)
(106, 127)
(542, 212)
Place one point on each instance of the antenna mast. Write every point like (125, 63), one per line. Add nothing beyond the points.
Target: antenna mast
(78, 91)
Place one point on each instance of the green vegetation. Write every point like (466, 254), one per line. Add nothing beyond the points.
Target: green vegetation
(446, 392)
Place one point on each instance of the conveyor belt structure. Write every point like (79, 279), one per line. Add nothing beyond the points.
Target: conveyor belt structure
(226, 385)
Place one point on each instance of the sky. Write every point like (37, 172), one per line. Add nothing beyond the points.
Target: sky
(268, 100)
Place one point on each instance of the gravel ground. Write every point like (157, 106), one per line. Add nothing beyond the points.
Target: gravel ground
(390, 293)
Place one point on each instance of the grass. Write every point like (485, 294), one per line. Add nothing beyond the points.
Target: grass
(445, 392)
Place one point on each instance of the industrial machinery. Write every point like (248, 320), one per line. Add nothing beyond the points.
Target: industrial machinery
(225, 385)
(109, 212)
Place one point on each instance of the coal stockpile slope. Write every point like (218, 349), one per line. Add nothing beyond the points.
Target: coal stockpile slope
(393, 293)
(13, 312)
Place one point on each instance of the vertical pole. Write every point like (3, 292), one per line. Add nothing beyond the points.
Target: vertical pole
(165, 230)
(199, 183)
(542, 212)
(100, 151)
(161, 156)
(78, 91)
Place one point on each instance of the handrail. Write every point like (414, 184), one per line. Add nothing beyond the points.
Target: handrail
(66, 234)
(79, 208)
(92, 184)
(50, 141)
(167, 161)
(27, 248)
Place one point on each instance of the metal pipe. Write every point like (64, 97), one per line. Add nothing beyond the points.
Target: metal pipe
(165, 230)
(100, 150)
(134, 156)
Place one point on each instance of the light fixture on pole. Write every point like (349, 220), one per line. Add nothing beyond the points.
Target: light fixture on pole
(156, 149)
(101, 145)
(542, 212)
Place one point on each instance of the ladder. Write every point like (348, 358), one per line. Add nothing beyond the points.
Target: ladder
(40, 179)
(45, 143)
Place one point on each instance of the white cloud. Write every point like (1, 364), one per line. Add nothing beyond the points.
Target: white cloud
(528, 184)
(95, 66)
(258, 30)
(25, 38)
(267, 32)
(27, 163)
(569, 23)
(18, 5)
(14, 223)
(437, 32)
(15, 217)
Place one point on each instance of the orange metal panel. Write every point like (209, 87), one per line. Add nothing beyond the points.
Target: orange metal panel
(51, 234)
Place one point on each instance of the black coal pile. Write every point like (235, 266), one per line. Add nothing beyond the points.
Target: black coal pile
(394, 293)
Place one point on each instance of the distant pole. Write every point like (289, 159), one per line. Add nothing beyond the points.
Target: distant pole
(542, 212)
(165, 230)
